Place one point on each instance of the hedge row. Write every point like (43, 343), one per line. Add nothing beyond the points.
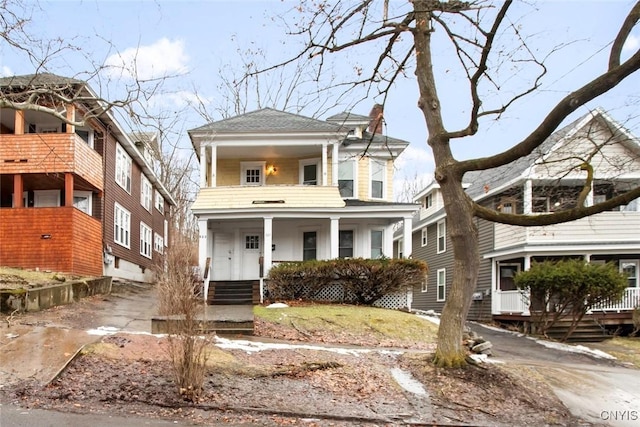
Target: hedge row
(363, 281)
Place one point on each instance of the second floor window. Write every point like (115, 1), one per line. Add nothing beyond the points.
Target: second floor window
(428, 201)
(121, 226)
(378, 171)
(346, 178)
(252, 173)
(123, 168)
(442, 236)
(145, 192)
(309, 172)
(423, 237)
(159, 202)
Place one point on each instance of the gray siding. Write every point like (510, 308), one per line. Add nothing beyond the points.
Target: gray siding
(481, 310)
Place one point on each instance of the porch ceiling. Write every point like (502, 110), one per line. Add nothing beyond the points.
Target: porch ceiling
(240, 151)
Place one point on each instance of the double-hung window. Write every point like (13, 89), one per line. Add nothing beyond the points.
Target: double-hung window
(158, 243)
(159, 202)
(309, 245)
(442, 236)
(145, 240)
(376, 244)
(378, 172)
(346, 178)
(423, 237)
(145, 192)
(310, 172)
(441, 284)
(123, 168)
(122, 226)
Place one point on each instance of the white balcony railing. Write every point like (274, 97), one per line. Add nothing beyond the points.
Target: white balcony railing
(603, 227)
(517, 302)
(630, 300)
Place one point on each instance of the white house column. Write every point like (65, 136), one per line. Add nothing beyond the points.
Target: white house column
(203, 166)
(334, 237)
(407, 226)
(387, 241)
(528, 197)
(214, 162)
(334, 164)
(267, 254)
(324, 164)
(202, 253)
(587, 258)
(589, 199)
(527, 262)
(495, 292)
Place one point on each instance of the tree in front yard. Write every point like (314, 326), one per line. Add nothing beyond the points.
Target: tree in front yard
(569, 289)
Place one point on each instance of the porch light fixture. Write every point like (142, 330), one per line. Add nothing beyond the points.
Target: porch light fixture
(271, 170)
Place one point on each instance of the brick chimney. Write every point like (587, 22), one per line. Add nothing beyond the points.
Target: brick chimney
(375, 119)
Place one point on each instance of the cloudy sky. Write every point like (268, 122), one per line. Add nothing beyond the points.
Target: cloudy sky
(197, 41)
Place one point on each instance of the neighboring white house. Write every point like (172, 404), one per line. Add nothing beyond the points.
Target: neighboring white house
(548, 179)
(277, 186)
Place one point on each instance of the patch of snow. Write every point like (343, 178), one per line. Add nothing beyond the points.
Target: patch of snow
(574, 348)
(431, 319)
(10, 336)
(277, 305)
(255, 346)
(483, 358)
(493, 328)
(103, 330)
(408, 382)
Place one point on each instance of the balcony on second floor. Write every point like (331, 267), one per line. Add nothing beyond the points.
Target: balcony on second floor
(605, 227)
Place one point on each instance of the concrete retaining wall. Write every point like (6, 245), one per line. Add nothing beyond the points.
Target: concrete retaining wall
(50, 296)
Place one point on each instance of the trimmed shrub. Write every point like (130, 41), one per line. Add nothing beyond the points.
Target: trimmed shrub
(363, 281)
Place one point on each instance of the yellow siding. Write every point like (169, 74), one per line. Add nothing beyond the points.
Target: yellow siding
(243, 197)
(363, 178)
(228, 172)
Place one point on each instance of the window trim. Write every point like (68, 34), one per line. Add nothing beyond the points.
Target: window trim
(424, 286)
(442, 236)
(383, 164)
(353, 242)
(116, 225)
(306, 162)
(87, 195)
(424, 237)
(354, 177)
(159, 202)
(145, 196)
(146, 246)
(244, 166)
(315, 249)
(442, 285)
(381, 231)
(636, 262)
(123, 171)
(158, 243)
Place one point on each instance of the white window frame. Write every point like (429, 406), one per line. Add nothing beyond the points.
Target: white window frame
(354, 176)
(145, 192)
(428, 201)
(123, 169)
(424, 237)
(244, 166)
(90, 136)
(636, 262)
(159, 204)
(307, 162)
(383, 165)
(77, 194)
(424, 285)
(353, 242)
(166, 233)
(442, 234)
(441, 284)
(121, 226)
(146, 240)
(158, 243)
(400, 248)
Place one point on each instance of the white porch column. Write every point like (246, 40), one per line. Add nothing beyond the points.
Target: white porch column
(589, 200)
(334, 164)
(495, 292)
(202, 253)
(214, 162)
(528, 197)
(324, 164)
(587, 257)
(267, 254)
(407, 246)
(334, 237)
(527, 262)
(203, 166)
(387, 241)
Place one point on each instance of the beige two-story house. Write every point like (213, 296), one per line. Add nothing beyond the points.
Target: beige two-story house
(277, 187)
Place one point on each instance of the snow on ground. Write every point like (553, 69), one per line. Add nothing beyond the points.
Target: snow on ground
(408, 382)
(432, 319)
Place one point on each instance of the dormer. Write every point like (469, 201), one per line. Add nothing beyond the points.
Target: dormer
(355, 123)
(430, 200)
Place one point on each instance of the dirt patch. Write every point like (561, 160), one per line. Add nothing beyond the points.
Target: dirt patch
(131, 374)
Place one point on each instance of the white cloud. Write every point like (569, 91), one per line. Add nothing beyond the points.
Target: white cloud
(161, 59)
(5, 71)
(178, 99)
(632, 43)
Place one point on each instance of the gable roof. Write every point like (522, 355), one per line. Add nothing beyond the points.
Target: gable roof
(267, 120)
(42, 79)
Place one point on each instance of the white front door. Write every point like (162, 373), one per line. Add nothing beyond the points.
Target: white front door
(46, 198)
(222, 256)
(250, 263)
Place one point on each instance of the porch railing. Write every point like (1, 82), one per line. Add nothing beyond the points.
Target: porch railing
(630, 300)
(515, 302)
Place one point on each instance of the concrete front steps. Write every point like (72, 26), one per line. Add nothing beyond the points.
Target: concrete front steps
(219, 320)
(234, 292)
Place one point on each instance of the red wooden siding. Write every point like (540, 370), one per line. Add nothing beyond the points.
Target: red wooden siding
(74, 246)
